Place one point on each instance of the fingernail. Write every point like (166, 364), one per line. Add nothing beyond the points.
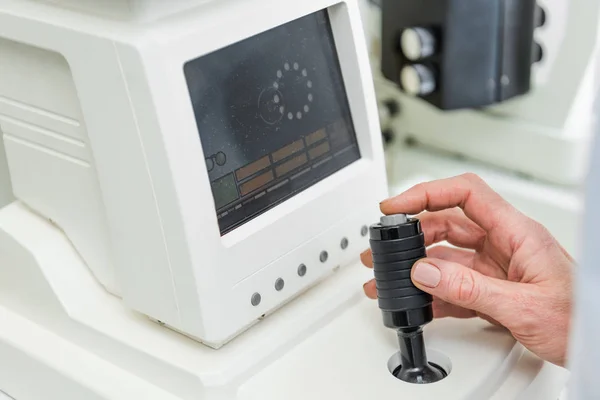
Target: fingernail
(427, 274)
(369, 289)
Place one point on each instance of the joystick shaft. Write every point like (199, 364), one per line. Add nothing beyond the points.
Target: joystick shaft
(397, 243)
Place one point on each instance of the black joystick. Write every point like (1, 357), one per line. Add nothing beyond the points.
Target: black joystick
(397, 243)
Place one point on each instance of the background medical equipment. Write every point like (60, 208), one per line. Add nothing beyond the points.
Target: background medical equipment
(457, 54)
(533, 148)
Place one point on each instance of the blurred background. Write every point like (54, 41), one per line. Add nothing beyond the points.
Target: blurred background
(505, 89)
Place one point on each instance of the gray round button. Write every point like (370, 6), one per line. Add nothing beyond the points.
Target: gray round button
(364, 230)
(344, 244)
(255, 300)
(279, 284)
(302, 270)
(324, 256)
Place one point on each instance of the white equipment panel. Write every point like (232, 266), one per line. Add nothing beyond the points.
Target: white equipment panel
(102, 126)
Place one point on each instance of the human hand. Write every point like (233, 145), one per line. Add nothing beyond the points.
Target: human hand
(507, 269)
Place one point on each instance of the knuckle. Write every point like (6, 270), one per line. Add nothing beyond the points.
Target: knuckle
(533, 226)
(472, 178)
(420, 187)
(541, 232)
(464, 288)
(537, 237)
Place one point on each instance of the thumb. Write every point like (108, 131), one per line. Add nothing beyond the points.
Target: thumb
(465, 287)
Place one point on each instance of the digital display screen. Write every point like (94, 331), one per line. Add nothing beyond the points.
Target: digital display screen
(273, 117)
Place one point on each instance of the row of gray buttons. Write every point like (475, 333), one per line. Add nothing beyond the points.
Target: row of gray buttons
(280, 283)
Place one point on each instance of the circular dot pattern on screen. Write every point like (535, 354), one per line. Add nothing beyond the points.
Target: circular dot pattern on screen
(288, 69)
(270, 102)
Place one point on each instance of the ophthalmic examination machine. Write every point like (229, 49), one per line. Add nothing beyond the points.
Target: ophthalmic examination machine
(188, 186)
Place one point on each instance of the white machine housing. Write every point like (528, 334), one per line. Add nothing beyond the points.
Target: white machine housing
(101, 140)
(5, 187)
(545, 134)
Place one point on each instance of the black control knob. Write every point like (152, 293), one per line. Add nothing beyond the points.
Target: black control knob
(397, 243)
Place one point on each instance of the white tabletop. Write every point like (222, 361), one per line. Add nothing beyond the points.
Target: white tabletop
(3, 396)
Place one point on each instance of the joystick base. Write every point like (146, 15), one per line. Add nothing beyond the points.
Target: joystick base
(429, 373)
(414, 367)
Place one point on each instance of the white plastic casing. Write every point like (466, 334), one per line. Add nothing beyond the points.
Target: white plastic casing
(131, 10)
(100, 138)
(5, 187)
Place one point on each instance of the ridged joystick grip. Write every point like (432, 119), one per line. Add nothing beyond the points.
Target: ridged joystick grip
(397, 243)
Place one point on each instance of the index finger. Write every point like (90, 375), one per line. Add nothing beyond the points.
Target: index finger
(478, 201)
